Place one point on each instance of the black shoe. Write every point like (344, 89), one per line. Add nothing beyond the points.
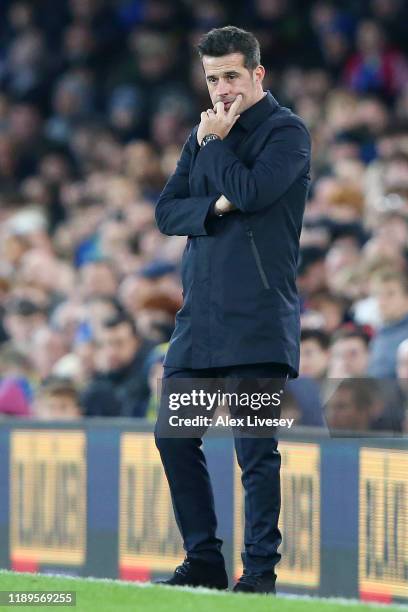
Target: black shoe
(194, 572)
(250, 582)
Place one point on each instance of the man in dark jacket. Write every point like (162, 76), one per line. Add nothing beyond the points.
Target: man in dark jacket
(119, 387)
(238, 194)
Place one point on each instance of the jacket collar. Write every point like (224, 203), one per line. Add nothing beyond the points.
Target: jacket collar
(254, 115)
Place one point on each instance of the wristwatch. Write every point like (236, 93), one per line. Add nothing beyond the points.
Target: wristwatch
(208, 138)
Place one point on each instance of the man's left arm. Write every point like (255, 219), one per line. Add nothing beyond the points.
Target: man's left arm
(284, 158)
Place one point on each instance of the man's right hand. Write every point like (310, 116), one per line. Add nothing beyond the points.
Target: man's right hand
(223, 206)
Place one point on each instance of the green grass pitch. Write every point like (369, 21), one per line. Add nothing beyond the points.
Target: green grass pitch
(114, 596)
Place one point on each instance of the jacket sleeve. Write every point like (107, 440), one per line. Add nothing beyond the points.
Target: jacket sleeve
(283, 159)
(178, 213)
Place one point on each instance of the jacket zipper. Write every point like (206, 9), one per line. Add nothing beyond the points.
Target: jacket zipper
(258, 260)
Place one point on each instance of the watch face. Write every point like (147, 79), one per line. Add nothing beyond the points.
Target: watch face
(208, 138)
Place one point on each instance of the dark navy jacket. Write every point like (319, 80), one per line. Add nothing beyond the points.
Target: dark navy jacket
(238, 271)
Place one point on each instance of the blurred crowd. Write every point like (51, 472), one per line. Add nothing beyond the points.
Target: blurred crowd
(96, 100)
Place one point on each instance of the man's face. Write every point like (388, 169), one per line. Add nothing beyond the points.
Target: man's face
(58, 407)
(313, 359)
(351, 354)
(343, 413)
(116, 346)
(227, 77)
(98, 279)
(392, 300)
(22, 327)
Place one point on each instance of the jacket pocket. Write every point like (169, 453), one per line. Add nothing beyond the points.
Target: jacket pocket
(257, 258)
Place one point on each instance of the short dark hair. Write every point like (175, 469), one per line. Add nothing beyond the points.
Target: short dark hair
(23, 307)
(317, 335)
(346, 332)
(120, 318)
(222, 41)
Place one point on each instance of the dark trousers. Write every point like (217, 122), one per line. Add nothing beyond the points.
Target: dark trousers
(190, 487)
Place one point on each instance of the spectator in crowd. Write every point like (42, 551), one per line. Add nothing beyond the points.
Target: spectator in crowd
(353, 406)
(314, 353)
(390, 287)
(17, 379)
(57, 400)
(349, 353)
(119, 386)
(332, 309)
(22, 320)
(375, 66)
(98, 278)
(47, 347)
(13, 401)
(311, 272)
